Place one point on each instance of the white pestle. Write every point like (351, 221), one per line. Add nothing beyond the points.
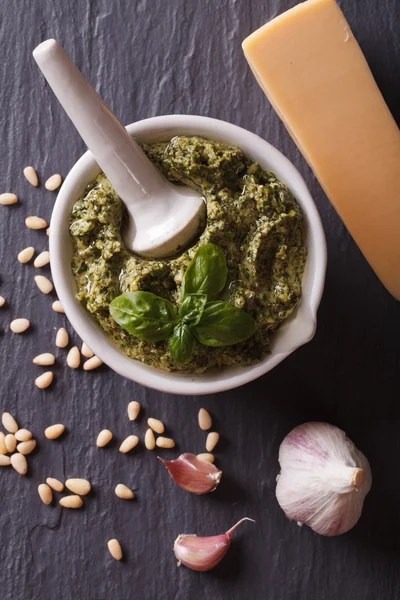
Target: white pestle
(162, 217)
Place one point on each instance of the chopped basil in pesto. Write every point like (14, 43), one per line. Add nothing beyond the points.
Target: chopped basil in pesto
(251, 215)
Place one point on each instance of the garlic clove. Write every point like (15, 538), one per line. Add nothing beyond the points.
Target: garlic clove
(193, 474)
(204, 553)
(201, 553)
(324, 478)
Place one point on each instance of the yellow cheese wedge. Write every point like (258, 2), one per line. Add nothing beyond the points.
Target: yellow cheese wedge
(312, 69)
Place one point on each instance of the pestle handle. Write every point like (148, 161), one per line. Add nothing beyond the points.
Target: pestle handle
(131, 173)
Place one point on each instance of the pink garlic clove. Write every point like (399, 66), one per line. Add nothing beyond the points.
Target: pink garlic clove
(204, 553)
(193, 474)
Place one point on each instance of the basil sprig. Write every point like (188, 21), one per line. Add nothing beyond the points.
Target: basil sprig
(211, 322)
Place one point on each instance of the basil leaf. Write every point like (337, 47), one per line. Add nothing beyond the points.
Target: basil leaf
(222, 324)
(192, 308)
(207, 272)
(144, 315)
(181, 344)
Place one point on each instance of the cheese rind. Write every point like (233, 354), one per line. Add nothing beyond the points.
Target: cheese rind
(315, 75)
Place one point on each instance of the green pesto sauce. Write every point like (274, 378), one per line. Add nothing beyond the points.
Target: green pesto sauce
(251, 215)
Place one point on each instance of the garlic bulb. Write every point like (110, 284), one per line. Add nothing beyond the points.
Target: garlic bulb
(323, 480)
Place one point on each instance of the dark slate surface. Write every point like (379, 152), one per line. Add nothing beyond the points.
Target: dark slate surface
(153, 57)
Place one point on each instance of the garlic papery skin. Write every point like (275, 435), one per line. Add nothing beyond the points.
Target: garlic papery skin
(323, 480)
(193, 474)
(204, 553)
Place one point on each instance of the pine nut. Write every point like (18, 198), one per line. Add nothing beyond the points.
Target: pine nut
(42, 259)
(26, 254)
(26, 447)
(78, 486)
(19, 462)
(23, 435)
(2, 301)
(45, 493)
(48, 231)
(122, 491)
(86, 351)
(71, 502)
(55, 484)
(44, 360)
(205, 421)
(44, 284)
(4, 460)
(74, 358)
(9, 423)
(104, 438)
(164, 442)
(62, 338)
(212, 441)
(206, 456)
(114, 548)
(92, 363)
(19, 325)
(31, 176)
(54, 431)
(11, 442)
(8, 198)
(133, 410)
(53, 182)
(44, 380)
(129, 443)
(156, 425)
(149, 440)
(3, 447)
(35, 223)
(57, 307)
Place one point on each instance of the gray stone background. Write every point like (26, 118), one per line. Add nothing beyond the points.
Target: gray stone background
(154, 57)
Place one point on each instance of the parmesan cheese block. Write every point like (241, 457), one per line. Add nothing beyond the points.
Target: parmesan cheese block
(312, 69)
